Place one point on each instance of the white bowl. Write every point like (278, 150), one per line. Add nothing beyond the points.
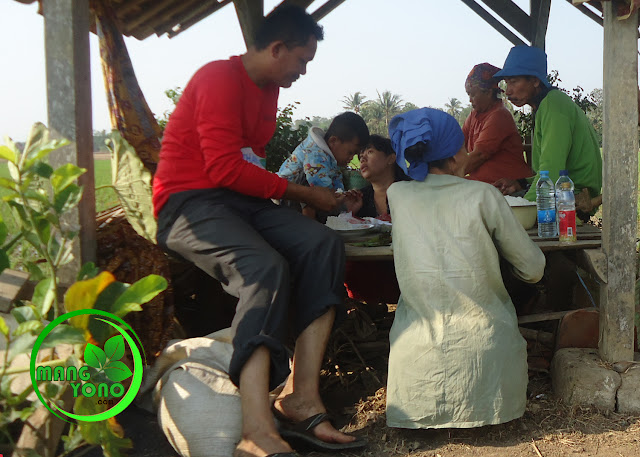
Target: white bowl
(527, 215)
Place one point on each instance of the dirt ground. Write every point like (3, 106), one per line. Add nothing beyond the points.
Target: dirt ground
(547, 429)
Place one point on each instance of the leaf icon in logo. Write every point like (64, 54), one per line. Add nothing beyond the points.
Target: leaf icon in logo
(117, 371)
(94, 356)
(114, 348)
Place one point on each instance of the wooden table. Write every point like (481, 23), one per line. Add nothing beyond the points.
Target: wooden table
(589, 237)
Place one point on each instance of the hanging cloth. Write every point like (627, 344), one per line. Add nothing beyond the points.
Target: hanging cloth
(128, 109)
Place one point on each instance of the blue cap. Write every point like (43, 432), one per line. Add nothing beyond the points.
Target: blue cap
(564, 172)
(525, 60)
(544, 173)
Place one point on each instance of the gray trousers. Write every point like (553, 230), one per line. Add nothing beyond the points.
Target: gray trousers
(286, 269)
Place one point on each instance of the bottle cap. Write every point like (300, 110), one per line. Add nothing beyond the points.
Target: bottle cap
(544, 173)
(564, 173)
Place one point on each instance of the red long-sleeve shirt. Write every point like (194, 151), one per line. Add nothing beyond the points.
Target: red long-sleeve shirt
(220, 112)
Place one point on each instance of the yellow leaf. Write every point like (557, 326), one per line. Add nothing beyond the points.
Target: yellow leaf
(83, 295)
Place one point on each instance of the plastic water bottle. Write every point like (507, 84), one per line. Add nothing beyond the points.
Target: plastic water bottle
(566, 208)
(546, 203)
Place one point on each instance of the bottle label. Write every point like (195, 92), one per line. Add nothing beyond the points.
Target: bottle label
(546, 215)
(567, 226)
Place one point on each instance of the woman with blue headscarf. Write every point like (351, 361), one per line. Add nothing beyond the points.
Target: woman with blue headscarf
(457, 358)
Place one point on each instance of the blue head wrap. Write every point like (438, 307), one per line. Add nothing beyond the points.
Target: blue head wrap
(439, 130)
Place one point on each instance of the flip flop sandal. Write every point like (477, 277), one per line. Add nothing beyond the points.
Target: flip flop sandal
(300, 434)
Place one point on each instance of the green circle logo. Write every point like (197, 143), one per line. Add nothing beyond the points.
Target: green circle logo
(100, 363)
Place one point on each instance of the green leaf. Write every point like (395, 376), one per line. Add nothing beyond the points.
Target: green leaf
(132, 183)
(4, 260)
(43, 169)
(142, 290)
(51, 389)
(67, 199)
(63, 334)
(88, 271)
(21, 345)
(8, 184)
(13, 171)
(25, 313)
(35, 273)
(28, 327)
(122, 309)
(94, 356)
(114, 348)
(4, 328)
(65, 175)
(44, 295)
(7, 154)
(117, 371)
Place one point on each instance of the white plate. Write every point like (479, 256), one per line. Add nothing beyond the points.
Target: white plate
(355, 229)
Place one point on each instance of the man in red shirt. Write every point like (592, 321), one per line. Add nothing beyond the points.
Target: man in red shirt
(212, 198)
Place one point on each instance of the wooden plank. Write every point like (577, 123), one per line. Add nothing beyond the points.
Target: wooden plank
(594, 261)
(357, 253)
(493, 22)
(12, 283)
(547, 246)
(620, 184)
(542, 317)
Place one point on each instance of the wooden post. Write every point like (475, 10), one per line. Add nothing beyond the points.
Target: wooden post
(69, 112)
(250, 13)
(620, 184)
(539, 22)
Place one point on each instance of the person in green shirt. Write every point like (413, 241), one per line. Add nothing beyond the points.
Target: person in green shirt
(563, 137)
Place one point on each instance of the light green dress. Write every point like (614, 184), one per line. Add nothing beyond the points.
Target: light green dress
(457, 358)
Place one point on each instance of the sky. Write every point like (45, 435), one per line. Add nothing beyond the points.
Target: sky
(421, 50)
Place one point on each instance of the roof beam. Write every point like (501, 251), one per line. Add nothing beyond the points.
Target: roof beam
(513, 15)
(493, 22)
(325, 9)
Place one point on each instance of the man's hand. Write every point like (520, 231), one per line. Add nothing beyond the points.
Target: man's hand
(351, 199)
(320, 198)
(507, 186)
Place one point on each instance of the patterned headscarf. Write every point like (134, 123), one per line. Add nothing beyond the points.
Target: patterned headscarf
(438, 130)
(482, 76)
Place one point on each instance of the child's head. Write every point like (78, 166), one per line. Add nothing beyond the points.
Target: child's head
(346, 136)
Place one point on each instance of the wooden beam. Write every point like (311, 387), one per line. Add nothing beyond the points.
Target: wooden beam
(539, 22)
(493, 22)
(250, 14)
(513, 15)
(194, 19)
(589, 13)
(325, 9)
(304, 4)
(66, 24)
(170, 19)
(620, 185)
(149, 13)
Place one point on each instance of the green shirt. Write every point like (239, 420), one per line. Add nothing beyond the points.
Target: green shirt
(564, 139)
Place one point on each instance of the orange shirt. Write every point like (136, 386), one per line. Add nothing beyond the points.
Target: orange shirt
(494, 134)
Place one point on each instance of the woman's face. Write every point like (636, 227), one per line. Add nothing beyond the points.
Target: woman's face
(521, 90)
(481, 99)
(374, 163)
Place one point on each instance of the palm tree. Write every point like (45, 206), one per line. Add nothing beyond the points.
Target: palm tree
(373, 115)
(391, 104)
(354, 102)
(453, 107)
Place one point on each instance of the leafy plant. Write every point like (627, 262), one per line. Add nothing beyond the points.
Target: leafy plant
(40, 196)
(286, 137)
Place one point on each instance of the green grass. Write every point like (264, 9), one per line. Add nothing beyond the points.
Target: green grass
(105, 197)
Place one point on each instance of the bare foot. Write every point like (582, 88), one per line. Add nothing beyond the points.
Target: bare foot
(269, 444)
(298, 409)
